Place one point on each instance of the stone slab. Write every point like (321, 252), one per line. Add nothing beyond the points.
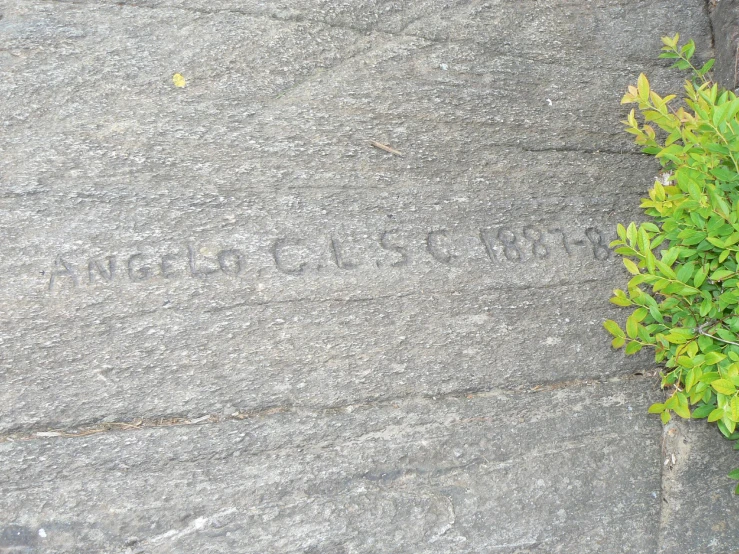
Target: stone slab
(725, 23)
(700, 508)
(563, 470)
(294, 102)
(265, 254)
(310, 299)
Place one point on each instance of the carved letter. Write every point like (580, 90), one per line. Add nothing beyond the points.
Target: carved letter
(63, 269)
(279, 262)
(385, 244)
(138, 274)
(166, 265)
(338, 259)
(489, 250)
(107, 275)
(194, 271)
(237, 261)
(433, 247)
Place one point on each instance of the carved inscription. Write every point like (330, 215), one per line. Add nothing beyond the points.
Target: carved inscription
(390, 249)
(386, 243)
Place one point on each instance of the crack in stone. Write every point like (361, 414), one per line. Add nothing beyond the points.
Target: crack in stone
(581, 150)
(41, 432)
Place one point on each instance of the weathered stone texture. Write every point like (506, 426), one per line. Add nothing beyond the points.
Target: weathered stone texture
(700, 509)
(547, 472)
(361, 330)
(264, 252)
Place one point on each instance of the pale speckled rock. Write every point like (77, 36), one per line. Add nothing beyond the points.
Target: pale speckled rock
(265, 253)
(237, 246)
(700, 508)
(562, 471)
(725, 22)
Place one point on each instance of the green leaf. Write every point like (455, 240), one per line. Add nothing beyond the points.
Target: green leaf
(682, 409)
(696, 238)
(716, 242)
(639, 314)
(709, 377)
(669, 256)
(649, 226)
(666, 270)
(671, 402)
(706, 67)
(632, 327)
(613, 328)
(700, 277)
(643, 240)
(656, 314)
(734, 474)
(679, 336)
(729, 423)
(721, 424)
(656, 408)
(714, 358)
(642, 86)
(631, 266)
(690, 378)
(720, 113)
(723, 386)
(685, 273)
(633, 347)
(631, 234)
(702, 411)
(720, 274)
(705, 342)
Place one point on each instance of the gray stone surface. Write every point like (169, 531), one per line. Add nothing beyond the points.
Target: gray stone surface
(725, 23)
(569, 470)
(356, 333)
(476, 259)
(700, 509)
(329, 335)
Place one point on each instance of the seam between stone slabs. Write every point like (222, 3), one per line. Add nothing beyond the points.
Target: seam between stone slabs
(662, 515)
(350, 299)
(337, 188)
(673, 449)
(138, 423)
(580, 150)
(707, 13)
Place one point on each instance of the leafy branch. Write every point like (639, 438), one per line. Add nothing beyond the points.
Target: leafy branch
(685, 263)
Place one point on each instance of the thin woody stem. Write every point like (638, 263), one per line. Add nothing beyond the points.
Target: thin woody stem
(702, 332)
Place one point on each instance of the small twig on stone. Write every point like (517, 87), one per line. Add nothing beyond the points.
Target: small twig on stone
(385, 147)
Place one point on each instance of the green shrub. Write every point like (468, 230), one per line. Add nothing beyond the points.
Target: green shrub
(685, 262)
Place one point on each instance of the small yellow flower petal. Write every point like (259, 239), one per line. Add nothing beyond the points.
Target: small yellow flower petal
(178, 80)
